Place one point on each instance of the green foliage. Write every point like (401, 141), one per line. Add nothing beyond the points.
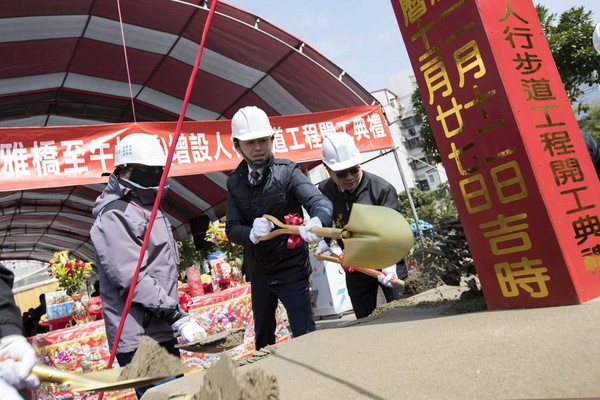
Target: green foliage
(216, 235)
(591, 121)
(427, 139)
(188, 255)
(443, 257)
(570, 41)
(433, 207)
(71, 273)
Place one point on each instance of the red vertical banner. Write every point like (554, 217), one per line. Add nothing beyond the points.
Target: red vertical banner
(522, 179)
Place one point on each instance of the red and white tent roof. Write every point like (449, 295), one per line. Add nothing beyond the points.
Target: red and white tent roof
(64, 59)
(62, 62)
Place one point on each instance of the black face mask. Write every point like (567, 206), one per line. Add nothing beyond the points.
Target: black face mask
(144, 179)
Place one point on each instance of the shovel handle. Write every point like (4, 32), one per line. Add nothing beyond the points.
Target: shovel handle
(368, 271)
(48, 374)
(333, 233)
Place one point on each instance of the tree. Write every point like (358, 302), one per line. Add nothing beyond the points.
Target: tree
(591, 121)
(427, 139)
(578, 63)
(570, 41)
(433, 207)
(188, 255)
(444, 255)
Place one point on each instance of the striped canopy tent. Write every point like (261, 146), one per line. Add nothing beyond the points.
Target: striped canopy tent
(63, 63)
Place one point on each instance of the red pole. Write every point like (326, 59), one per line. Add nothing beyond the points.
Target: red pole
(163, 180)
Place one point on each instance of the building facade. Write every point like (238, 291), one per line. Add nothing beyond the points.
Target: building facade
(426, 175)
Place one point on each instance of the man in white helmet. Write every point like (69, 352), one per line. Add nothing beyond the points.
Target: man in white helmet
(262, 184)
(349, 184)
(122, 213)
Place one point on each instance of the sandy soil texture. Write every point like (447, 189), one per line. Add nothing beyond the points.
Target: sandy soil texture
(435, 346)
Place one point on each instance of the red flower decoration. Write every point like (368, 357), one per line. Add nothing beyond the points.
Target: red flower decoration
(294, 240)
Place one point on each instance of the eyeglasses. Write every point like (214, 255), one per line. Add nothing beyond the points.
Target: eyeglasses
(342, 174)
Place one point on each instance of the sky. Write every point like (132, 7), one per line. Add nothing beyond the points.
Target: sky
(361, 37)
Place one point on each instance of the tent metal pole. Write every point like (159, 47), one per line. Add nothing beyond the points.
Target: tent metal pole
(408, 195)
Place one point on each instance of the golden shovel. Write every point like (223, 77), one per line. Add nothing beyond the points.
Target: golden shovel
(104, 380)
(374, 237)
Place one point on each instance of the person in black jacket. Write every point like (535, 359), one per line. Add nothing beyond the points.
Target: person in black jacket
(17, 355)
(593, 150)
(262, 184)
(349, 184)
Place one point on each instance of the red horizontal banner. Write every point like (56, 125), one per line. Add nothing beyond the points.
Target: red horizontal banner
(33, 158)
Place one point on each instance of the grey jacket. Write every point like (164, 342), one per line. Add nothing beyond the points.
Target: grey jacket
(117, 236)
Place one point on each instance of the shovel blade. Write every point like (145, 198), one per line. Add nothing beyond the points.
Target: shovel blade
(216, 343)
(105, 380)
(380, 237)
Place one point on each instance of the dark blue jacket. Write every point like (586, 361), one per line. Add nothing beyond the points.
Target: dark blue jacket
(283, 189)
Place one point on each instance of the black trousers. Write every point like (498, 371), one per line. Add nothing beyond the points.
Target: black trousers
(363, 288)
(294, 296)
(126, 358)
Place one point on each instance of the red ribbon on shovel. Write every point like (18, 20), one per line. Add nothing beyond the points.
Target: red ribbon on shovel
(294, 240)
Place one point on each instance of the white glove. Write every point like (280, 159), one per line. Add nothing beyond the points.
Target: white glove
(189, 329)
(18, 359)
(305, 233)
(323, 248)
(9, 392)
(260, 227)
(389, 273)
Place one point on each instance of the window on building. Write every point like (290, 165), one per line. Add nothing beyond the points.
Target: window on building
(408, 122)
(412, 143)
(433, 177)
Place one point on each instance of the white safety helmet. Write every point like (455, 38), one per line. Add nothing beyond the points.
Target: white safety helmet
(140, 148)
(250, 123)
(596, 38)
(340, 152)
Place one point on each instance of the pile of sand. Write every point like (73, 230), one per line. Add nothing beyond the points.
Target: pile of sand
(151, 360)
(223, 381)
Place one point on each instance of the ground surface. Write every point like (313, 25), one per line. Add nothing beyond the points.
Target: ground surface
(427, 347)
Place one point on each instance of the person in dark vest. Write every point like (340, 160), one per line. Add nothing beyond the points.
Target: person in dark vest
(349, 184)
(262, 184)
